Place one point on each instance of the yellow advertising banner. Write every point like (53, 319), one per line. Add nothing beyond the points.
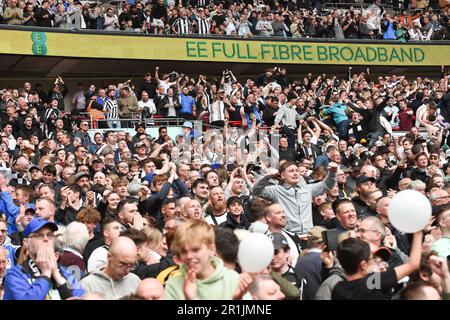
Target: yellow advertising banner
(81, 45)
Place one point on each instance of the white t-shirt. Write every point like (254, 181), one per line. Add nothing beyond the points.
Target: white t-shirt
(98, 259)
(219, 219)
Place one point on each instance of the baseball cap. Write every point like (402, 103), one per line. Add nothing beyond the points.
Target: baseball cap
(364, 179)
(139, 144)
(80, 175)
(278, 240)
(384, 253)
(315, 234)
(34, 168)
(36, 224)
(97, 160)
(357, 164)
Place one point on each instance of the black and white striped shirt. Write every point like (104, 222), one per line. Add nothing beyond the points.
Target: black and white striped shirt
(182, 26)
(204, 25)
(202, 3)
(111, 109)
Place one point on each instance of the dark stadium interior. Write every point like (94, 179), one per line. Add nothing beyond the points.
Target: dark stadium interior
(12, 66)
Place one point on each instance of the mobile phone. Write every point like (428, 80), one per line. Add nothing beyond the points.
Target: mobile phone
(330, 239)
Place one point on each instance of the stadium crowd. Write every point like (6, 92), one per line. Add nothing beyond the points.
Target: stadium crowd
(399, 20)
(113, 215)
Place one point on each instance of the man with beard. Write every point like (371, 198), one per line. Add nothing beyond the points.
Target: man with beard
(275, 218)
(364, 186)
(40, 277)
(83, 181)
(46, 208)
(216, 211)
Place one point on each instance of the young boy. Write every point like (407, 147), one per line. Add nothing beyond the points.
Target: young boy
(355, 258)
(203, 276)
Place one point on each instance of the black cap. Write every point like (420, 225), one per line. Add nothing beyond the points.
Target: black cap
(279, 241)
(364, 179)
(357, 164)
(34, 168)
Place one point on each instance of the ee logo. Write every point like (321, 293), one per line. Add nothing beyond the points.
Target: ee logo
(39, 43)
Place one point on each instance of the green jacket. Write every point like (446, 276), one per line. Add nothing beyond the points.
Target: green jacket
(220, 286)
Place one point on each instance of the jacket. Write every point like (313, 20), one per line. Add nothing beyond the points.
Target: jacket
(98, 281)
(296, 200)
(421, 175)
(163, 106)
(362, 209)
(221, 285)
(127, 106)
(21, 285)
(11, 211)
(337, 274)
(232, 223)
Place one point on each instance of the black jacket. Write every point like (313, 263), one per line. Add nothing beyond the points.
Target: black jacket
(163, 112)
(231, 222)
(362, 209)
(303, 152)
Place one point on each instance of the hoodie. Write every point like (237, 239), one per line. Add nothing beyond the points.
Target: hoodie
(221, 285)
(295, 200)
(337, 274)
(98, 281)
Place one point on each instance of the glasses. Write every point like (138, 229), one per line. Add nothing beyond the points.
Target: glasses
(123, 166)
(124, 265)
(41, 236)
(3, 231)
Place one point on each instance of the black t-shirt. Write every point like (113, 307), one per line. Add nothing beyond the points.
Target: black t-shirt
(374, 286)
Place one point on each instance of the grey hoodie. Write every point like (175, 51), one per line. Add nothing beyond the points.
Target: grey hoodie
(296, 201)
(337, 274)
(98, 281)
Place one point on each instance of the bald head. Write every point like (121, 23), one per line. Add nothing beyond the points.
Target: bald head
(150, 289)
(122, 257)
(369, 171)
(123, 245)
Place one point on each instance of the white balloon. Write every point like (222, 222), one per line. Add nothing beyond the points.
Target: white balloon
(409, 211)
(255, 252)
